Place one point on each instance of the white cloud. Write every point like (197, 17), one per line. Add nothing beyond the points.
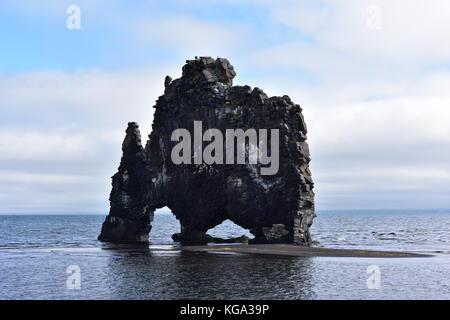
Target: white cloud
(37, 145)
(398, 145)
(58, 193)
(81, 96)
(42, 179)
(411, 30)
(61, 134)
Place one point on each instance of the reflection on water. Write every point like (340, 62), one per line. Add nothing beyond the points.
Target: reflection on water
(188, 275)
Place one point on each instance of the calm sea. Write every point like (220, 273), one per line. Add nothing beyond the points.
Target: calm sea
(37, 250)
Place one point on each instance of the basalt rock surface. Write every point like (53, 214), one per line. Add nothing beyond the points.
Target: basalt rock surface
(276, 208)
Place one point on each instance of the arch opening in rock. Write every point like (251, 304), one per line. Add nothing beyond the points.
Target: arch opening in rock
(225, 232)
(164, 225)
(230, 232)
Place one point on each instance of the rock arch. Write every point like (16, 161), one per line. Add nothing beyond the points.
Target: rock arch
(275, 208)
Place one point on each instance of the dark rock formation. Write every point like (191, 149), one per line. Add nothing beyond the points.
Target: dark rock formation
(277, 208)
(130, 214)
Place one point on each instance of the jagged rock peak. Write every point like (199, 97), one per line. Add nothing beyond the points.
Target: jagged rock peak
(204, 70)
(132, 137)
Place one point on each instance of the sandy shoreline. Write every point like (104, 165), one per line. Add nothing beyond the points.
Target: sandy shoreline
(299, 251)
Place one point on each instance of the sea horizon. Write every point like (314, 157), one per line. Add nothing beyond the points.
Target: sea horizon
(323, 211)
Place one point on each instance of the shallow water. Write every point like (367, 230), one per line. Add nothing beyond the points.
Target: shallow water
(35, 252)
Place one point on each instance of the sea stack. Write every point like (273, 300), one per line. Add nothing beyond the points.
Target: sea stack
(276, 205)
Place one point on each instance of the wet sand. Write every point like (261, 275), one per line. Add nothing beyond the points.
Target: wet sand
(299, 251)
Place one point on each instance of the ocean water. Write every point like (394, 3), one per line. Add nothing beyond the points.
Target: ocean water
(37, 250)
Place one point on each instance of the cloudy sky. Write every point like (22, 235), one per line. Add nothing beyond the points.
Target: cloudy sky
(373, 78)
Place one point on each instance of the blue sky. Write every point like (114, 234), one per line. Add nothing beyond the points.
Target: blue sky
(371, 76)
